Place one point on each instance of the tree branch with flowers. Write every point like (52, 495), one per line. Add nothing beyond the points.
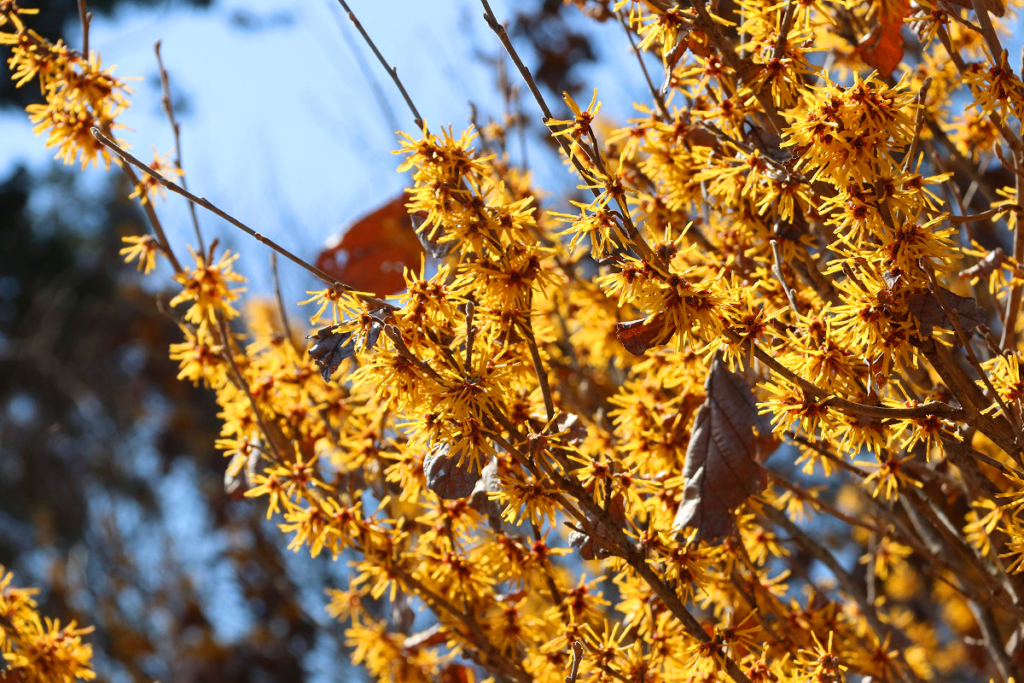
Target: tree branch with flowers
(798, 252)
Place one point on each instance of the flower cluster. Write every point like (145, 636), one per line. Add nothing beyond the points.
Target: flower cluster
(37, 648)
(79, 93)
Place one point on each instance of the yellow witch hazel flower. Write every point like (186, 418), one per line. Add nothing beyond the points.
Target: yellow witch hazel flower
(37, 648)
(208, 288)
(576, 128)
(79, 93)
(148, 186)
(143, 250)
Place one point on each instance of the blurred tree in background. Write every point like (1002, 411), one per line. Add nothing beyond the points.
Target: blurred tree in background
(111, 493)
(108, 473)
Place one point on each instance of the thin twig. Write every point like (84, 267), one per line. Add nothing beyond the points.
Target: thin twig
(787, 23)
(781, 480)
(392, 71)
(206, 204)
(470, 333)
(1008, 339)
(538, 369)
(988, 31)
(154, 221)
(577, 659)
(659, 99)
(777, 269)
(282, 312)
(229, 354)
(165, 83)
(85, 16)
(378, 92)
(930, 408)
(984, 215)
(637, 239)
(922, 94)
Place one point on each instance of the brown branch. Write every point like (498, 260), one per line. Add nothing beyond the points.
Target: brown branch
(958, 220)
(538, 369)
(1008, 339)
(988, 31)
(165, 85)
(85, 16)
(392, 71)
(930, 408)
(780, 480)
(577, 659)
(777, 270)
(281, 310)
(154, 221)
(922, 95)
(206, 204)
(787, 24)
(659, 99)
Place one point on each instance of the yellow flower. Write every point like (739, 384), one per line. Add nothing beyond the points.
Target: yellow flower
(142, 248)
(208, 287)
(148, 186)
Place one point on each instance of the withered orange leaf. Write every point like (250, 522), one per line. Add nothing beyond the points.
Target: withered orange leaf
(637, 336)
(882, 48)
(371, 254)
(723, 459)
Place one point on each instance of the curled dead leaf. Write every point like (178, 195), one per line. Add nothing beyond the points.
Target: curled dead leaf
(445, 476)
(882, 48)
(330, 348)
(985, 266)
(585, 544)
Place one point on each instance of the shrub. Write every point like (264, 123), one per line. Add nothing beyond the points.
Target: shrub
(556, 438)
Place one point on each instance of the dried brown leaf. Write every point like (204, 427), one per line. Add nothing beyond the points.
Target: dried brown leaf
(330, 348)
(722, 461)
(929, 314)
(571, 423)
(637, 336)
(586, 545)
(985, 266)
(480, 499)
(445, 476)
